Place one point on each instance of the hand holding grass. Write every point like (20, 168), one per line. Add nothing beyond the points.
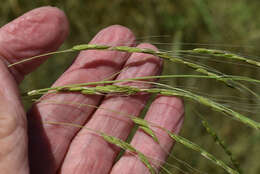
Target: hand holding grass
(56, 148)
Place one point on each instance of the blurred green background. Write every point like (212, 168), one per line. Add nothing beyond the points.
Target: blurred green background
(171, 25)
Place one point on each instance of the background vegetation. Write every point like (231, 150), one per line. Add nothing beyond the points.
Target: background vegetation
(232, 25)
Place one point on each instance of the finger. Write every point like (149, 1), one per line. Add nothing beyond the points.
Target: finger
(13, 133)
(51, 142)
(89, 152)
(36, 32)
(166, 112)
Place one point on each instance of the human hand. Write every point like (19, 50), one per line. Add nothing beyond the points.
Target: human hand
(60, 149)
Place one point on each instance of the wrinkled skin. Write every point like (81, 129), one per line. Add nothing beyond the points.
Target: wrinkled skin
(28, 145)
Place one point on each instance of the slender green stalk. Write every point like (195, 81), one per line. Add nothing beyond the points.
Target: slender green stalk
(44, 90)
(142, 157)
(192, 146)
(39, 56)
(116, 141)
(224, 54)
(204, 153)
(221, 143)
(163, 55)
(126, 146)
(167, 56)
(129, 90)
(144, 125)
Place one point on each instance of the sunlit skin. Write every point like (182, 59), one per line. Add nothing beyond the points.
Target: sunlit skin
(27, 145)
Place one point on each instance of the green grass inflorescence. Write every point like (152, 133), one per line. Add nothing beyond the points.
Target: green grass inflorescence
(105, 87)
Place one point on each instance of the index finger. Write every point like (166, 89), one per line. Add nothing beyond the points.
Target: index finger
(36, 32)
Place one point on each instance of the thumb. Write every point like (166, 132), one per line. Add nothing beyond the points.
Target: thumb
(13, 133)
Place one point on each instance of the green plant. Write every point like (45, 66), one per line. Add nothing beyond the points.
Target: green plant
(230, 81)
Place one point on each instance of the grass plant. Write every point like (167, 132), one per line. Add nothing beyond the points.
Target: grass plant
(106, 87)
